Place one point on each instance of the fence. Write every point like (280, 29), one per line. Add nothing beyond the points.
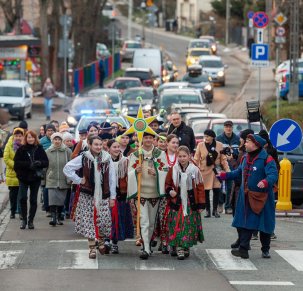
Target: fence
(88, 75)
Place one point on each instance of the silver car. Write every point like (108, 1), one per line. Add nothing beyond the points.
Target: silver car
(128, 49)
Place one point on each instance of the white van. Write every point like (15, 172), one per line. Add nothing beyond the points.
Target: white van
(16, 98)
(149, 59)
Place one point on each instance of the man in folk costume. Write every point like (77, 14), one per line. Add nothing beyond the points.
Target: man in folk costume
(255, 208)
(153, 170)
(97, 194)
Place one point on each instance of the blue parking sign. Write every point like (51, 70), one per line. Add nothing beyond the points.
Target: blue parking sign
(259, 55)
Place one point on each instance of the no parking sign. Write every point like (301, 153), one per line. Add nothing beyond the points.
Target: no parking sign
(260, 19)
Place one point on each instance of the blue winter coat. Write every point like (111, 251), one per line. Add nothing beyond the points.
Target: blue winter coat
(262, 167)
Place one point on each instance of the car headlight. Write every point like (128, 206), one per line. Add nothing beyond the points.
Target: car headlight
(71, 120)
(147, 107)
(220, 74)
(192, 60)
(207, 87)
(17, 105)
(124, 110)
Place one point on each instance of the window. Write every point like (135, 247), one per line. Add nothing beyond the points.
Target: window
(211, 64)
(133, 45)
(168, 100)
(132, 95)
(11, 91)
(200, 53)
(138, 74)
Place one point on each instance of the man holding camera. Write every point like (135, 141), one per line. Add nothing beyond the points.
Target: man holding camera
(231, 144)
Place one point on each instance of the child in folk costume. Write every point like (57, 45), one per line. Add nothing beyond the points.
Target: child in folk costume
(185, 190)
(97, 194)
(153, 170)
(122, 223)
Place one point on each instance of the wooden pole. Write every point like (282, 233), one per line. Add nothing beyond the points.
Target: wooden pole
(139, 189)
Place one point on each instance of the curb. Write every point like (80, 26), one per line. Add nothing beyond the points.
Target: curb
(4, 202)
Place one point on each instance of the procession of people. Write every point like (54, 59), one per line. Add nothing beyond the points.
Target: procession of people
(115, 186)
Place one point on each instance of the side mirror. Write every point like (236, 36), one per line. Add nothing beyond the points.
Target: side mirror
(66, 110)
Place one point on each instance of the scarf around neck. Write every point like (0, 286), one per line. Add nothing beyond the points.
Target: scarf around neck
(212, 153)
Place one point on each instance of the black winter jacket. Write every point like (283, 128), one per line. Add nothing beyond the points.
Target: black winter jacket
(25, 170)
(185, 134)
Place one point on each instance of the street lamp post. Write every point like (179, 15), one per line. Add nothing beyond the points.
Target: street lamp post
(143, 7)
(113, 46)
(227, 22)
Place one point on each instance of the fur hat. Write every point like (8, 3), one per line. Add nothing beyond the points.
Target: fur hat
(56, 134)
(244, 133)
(67, 135)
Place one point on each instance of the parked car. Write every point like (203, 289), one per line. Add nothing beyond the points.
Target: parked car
(284, 69)
(102, 51)
(16, 98)
(87, 106)
(213, 44)
(146, 76)
(123, 83)
(200, 81)
(194, 54)
(151, 59)
(296, 159)
(86, 120)
(128, 48)
(217, 125)
(113, 96)
(130, 104)
(213, 66)
(284, 85)
(172, 96)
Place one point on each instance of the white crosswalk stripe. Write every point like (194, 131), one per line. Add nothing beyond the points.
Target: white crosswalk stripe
(8, 259)
(224, 260)
(293, 257)
(79, 260)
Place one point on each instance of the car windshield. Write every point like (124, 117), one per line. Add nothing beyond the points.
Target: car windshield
(132, 95)
(138, 74)
(198, 79)
(199, 128)
(84, 122)
(110, 96)
(237, 127)
(133, 45)
(211, 64)
(124, 84)
(199, 53)
(167, 100)
(199, 44)
(11, 91)
(90, 104)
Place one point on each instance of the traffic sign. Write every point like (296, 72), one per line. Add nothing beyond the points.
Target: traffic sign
(259, 55)
(280, 39)
(250, 14)
(260, 35)
(280, 19)
(260, 19)
(285, 135)
(280, 31)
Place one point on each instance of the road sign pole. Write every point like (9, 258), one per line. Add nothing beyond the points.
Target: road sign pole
(259, 85)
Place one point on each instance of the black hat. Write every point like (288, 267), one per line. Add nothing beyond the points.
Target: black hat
(23, 124)
(50, 126)
(263, 133)
(244, 133)
(105, 135)
(160, 122)
(210, 132)
(228, 122)
(105, 125)
(148, 134)
(82, 130)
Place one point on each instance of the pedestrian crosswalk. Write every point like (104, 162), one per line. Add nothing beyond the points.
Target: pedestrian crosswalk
(220, 259)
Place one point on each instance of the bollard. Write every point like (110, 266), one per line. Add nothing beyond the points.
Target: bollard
(284, 192)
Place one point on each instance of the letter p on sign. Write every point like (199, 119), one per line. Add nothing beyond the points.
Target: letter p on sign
(260, 51)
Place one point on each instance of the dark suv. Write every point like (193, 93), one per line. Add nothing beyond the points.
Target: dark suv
(145, 75)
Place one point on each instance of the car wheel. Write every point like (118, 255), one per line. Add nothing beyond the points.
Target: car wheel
(223, 84)
(21, 115)
(29, 115)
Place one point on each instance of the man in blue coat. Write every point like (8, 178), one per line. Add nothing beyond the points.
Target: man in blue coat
(259, 174)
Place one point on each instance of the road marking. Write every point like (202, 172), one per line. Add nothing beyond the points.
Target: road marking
(15, 241)
(4, 220)
(293, 257)
(80, 261)
(224, 260)
(8, 259)
(263, 283)
(67, 240)
(145, 266)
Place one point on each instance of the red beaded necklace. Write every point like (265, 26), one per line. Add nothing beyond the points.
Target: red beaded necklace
(170, 163)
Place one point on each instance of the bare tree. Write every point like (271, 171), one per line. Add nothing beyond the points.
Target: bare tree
(13, 11)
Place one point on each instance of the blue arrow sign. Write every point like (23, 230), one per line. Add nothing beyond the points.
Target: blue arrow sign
(285, 135)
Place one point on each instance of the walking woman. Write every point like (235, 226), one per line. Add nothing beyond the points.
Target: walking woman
(210, 161)
(185, 190)
(97, 194)
(56, 182)
(48, 92)
(30, 159)
(11, 177)
(122, 224)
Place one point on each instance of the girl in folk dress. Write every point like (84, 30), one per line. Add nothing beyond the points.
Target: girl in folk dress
(122, 223)
(185, 190)
(97, 194)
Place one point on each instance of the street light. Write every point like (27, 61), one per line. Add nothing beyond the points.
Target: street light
(143, 7)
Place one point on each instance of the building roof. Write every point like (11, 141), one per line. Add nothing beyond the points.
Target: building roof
(16, 40)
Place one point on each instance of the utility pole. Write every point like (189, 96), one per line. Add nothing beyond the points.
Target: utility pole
(294, 26)
(130, 16)
(227, 22)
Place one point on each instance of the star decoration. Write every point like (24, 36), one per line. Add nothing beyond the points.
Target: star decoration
(140, 125)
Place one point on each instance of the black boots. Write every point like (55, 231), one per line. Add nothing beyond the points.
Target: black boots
(23, 224)
(53, 221)
(207, 214)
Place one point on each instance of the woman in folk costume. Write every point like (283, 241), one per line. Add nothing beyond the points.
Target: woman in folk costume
(171, 157)
(153, 170)
(97, 194)
(185, 190)
(122, 223)
(209, 159)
